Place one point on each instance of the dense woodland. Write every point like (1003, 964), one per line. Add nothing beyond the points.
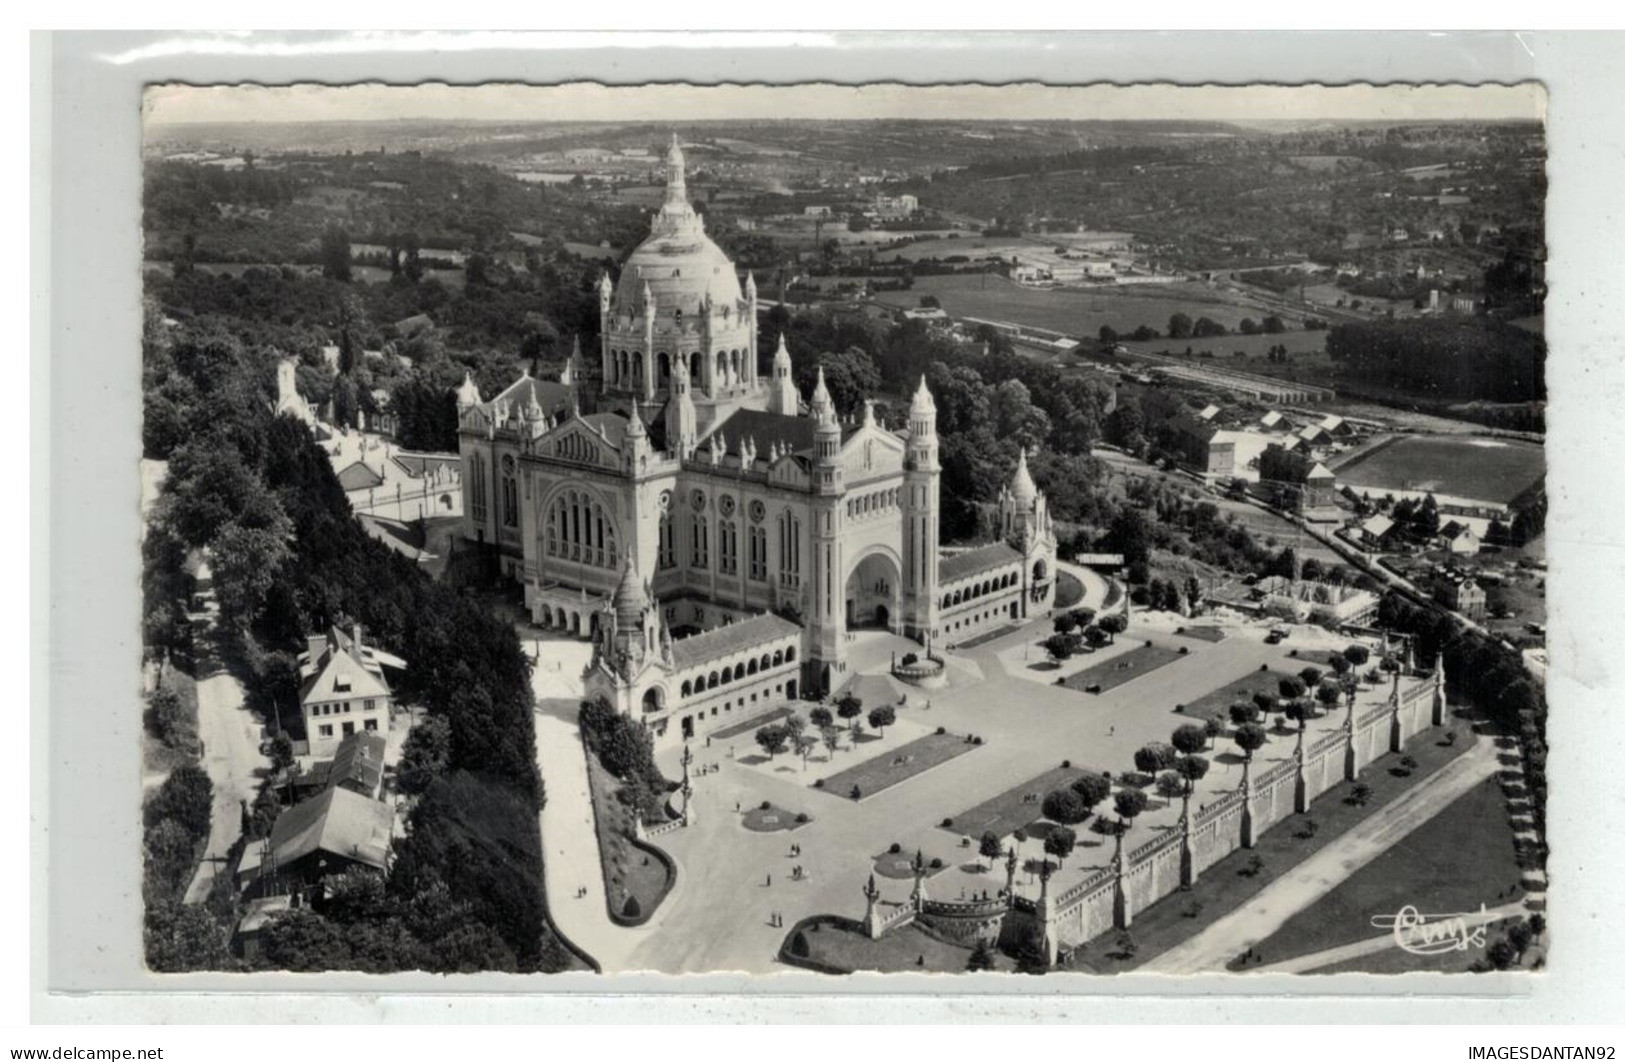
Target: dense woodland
(1444, 358)
(464, 891)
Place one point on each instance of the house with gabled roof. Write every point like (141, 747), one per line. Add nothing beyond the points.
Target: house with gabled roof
(342, 689)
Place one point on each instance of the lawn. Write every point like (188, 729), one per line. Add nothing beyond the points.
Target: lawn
(770, 818)
(1218, 702)
(1011, 810)
(1068, 590)
(1457, 860)
(630, 872)
(1223, 887)
(754, 723)
(844, 946)
(1492, 470)
(158, 758)
(1119, 670)
(1202, 634)
(899, 765)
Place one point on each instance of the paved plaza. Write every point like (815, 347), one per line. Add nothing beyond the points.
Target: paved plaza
(720, 916)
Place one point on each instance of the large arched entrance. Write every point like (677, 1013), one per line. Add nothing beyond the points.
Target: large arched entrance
(653, 700)
(872, 591)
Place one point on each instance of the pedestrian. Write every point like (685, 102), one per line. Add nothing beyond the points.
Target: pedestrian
(770, 880)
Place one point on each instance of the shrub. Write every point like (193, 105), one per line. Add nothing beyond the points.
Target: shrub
(936, 862)
(818, 784)
(895, 848)
(767, 805)
(802, 817)
(948, 823)
(1184, 649)
(978, 739)
(857, 793)
(1066, 765)
(910, 659)
(631, 909)
(941, 730)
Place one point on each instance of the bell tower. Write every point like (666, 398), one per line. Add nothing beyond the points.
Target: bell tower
(922, 476)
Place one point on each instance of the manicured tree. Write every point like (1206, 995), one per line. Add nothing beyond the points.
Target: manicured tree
(1091, 789)
(882, 717)
(1340, 664)
(1059, 647)
(1214, 727)
(1192, 769)
(1357, 655)
(1066, 623)
(804, 744)
(1113, 625)
(1059, 843)
(1243, 712)
(849, 707)
(1328, 693)
(1128, 803)
(1249, 739)
(990, 848)
(1170, 785)
(1094, 636)
(1190, 739)
(1065, 806)
(822, 717)
(832, 740)
(1154, 757)
(1292, 687)
(772, 738)
(1084, 616)
(1267, 702)
(1311, 678)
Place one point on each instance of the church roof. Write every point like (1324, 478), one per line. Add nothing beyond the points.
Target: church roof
(795, 434)
(719, 642)
(555, 398)
(630, 600)
(612, 425)
(975, 561)
(1021, 484)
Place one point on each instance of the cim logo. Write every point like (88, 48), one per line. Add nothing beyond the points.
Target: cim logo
(1435, 934)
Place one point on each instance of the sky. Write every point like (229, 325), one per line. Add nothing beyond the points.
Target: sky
(168, 104)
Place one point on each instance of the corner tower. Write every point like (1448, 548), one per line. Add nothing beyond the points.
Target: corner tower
(826, 623)
(922, 476)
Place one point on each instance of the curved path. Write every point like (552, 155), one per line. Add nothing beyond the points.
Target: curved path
(1233, 934)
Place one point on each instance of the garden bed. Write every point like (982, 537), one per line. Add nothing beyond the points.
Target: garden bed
(899, 765)
(1218, 701)
(1068, 590)
(754, 723)
(1009, 811)
(841, 946)
(637, 876)
(772, 818)
(1121, 670)
(900, 865)
(1203, 634)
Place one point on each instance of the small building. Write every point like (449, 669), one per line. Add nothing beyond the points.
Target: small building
(1375, 531)
(357, 765)
(325, 835)
(816, 211)
(1335, 426)
(1459, 539)
(1198, 444)
(1208, 412)
(343, 690)
(1274, 421)
(1295, 481)
(1461, 594)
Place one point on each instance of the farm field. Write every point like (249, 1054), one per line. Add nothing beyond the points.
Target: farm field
(1491, 470)
(1072, 311)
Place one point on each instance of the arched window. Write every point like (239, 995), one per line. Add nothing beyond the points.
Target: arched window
(750, 668)
(767, 661)
(789, 654)
(688, 689)
(727, 675)
(711, 681)
(778, 658)
(577, 529)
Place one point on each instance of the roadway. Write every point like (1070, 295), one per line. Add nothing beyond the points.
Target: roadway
(231, 756)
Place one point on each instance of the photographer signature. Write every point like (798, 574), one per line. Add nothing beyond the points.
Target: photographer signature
(1434, 934)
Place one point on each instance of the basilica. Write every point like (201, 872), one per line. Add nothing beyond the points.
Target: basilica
(716, 535)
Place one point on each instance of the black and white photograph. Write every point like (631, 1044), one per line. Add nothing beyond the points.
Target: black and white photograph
(900, 529)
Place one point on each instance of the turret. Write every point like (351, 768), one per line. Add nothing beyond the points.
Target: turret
(568, 375)
(782, 396)
(921, 498)
(682, 424)
(822, 406)
(676, 182)
(468, 394)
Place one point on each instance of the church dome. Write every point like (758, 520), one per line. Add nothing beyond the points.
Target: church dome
(679, 262)
(1022, 487)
